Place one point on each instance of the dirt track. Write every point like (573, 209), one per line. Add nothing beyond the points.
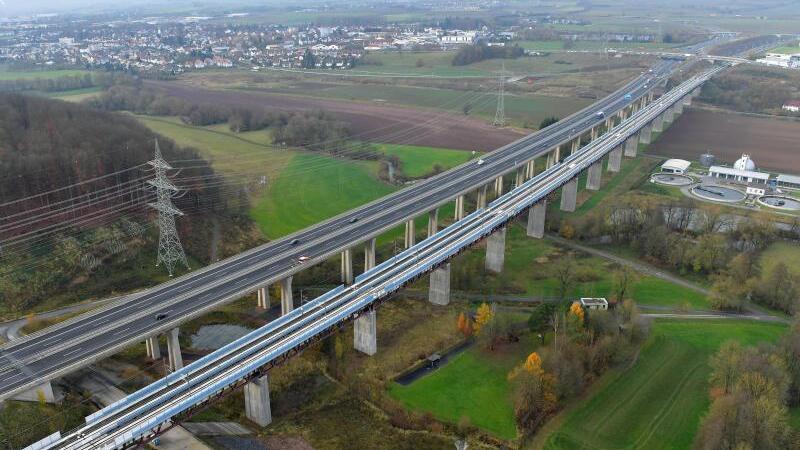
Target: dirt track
(376, 123)
(774, 144)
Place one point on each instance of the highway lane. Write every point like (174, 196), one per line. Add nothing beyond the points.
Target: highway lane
(240, 270)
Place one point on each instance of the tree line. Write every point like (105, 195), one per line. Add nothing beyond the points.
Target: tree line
(316, 130)
(58, 84)
(469, 54)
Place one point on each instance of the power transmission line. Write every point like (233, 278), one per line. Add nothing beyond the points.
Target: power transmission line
(500, 114)
(170, 250)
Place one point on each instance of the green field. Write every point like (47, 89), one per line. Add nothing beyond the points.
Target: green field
(418, 161)
(473, 384)
(784, 252)
(303, 188)
(313, 188)
(657, 404)
(786, 49)
(529, 272)
(554, 46)
(6, 74)
(76, 95)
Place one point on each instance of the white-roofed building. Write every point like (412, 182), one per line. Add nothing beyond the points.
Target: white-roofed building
(743, 176)
(788, 181)
(678, 166)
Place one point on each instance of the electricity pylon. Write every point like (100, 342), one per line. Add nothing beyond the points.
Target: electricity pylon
(500, 114)
(170, 250)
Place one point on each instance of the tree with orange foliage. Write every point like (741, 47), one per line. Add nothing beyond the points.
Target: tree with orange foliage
(576, 314)
(482, 317)
(464, 325)
(533, 364)
(535, 395)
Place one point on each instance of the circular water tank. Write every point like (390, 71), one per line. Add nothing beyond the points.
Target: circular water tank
(707, 160)
(744, 163)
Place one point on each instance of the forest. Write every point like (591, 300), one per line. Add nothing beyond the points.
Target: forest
(73, 203)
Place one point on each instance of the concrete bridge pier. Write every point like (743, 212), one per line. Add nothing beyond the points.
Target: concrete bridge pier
(569, 195)
(650, 96)
(482, 192)
(530, 169)
(678, 108)
(658, 123)
(439, 289)
(536, 218)
(433, 222)
(576, 145)
(152, 347)
(687, 100)
(645, 134)
(365, 333)
(347, 266)
(593, 134)
(594, 175)
(498, 186)
(669, 115)
(609, 124)
(256, 401)
(553, 156)
(369, 254)
(459, 208)
(262, 295)
(175, 361)
(496, 251)
(41, 392)
(520, 177)
(631, 146)
(287, 302)
(410, 233)
(615, 159)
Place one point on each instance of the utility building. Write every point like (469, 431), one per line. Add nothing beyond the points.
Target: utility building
(742, 176)
(676, 166)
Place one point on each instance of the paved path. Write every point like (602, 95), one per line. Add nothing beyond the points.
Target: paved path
(638, 265)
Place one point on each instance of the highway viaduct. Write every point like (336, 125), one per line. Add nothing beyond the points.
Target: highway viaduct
(516, 161)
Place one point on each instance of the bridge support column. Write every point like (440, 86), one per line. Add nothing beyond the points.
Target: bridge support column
(631, 146)
(553, 156)
(530, 169)
(439, 290)
(569, 195)
(646, 134)
(365, 333)
(41, 392)
(174, 350)
(498, 186)
(593, 176)
(410, 233)
(369, 254)
(576, 145)
(650, 96)
(433, 222)
(609, 124)
(615, 159)
(482, 191)
(593, 134)
(152, 347)
(687, 101)
(520, 177)
(459, 207)
(658, 123)
(263, 297)
(496, 251)
(347, 266)
(678, 108)
(256, 401)
(536, 217)
(669, 115)
(287, 302)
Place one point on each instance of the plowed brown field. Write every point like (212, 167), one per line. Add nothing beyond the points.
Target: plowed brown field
(374, 123)
(774, 144)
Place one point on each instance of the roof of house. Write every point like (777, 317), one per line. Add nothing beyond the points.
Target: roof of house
(594, 301)
(795, 103)
(739, 173)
